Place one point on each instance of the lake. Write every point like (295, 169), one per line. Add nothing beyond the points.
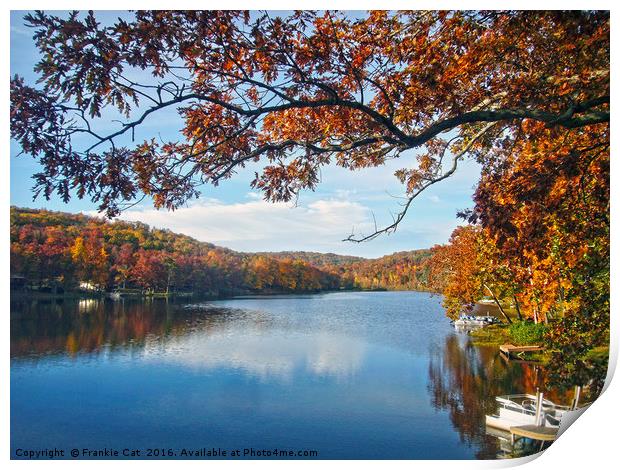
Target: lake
(364, 375)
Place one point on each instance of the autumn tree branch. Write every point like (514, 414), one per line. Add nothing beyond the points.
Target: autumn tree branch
(401, 215)
(294, 93)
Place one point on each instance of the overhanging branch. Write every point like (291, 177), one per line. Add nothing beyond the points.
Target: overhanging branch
(401, 215)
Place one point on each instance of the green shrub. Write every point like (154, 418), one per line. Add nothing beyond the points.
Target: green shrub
(526, 332)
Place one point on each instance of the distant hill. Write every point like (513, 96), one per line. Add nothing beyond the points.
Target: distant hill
(316, 259)
(404, 270)
(63, 251)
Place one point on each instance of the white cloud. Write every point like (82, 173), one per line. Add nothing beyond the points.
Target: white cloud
(243, 221)
(15, 29)
(263, 353)
(257, 225)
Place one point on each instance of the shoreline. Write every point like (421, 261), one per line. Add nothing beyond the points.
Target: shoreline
(77, 295)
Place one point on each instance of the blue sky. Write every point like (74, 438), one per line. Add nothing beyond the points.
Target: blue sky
(234, 216)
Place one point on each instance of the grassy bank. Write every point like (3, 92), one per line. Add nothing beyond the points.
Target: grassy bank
(519, 333)
(523, 333)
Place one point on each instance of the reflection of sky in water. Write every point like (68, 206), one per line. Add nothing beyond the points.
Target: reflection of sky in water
(262, 353)
(353, 375)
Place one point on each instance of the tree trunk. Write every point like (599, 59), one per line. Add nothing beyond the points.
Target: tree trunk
(561, 295)
(508, 320)
(517, 307)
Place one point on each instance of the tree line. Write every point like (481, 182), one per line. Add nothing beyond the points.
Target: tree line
(60, 250)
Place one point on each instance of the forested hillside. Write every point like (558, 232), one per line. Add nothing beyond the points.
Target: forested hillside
(405, 270)
(54, 250)
(316, 259)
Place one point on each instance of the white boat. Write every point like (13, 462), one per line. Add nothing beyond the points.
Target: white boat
(478, 320)
(520, 410)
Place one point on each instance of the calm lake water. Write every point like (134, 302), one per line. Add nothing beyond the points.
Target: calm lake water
(349, 375)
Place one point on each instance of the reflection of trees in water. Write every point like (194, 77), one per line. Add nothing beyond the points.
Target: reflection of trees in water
(88, 325)
(465, 379)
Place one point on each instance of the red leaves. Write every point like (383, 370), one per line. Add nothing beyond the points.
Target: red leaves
(48, 245)
(322, 85)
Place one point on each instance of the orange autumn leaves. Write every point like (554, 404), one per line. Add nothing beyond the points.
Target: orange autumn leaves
(541, 242)
(298, 92)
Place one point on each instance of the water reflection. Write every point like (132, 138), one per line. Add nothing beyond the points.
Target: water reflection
(354, 375)
(195, 336)
(90, 325)
(87, 305)
(465, 379)
(272, 354)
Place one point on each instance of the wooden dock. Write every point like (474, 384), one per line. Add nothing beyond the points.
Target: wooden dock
(539, 433)
(510, 349)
